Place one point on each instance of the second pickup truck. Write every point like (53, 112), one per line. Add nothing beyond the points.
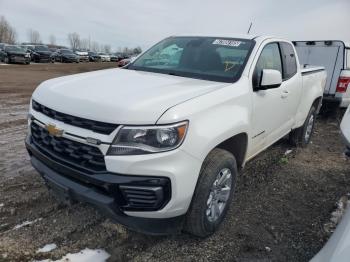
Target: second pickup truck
(158, 145)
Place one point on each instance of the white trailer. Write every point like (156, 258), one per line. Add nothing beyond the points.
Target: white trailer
(334, 56)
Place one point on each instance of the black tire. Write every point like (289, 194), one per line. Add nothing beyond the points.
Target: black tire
(197, 221)
(298, 136)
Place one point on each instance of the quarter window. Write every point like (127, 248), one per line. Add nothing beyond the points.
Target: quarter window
(289, 60)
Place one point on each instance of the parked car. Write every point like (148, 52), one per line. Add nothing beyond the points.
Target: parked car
(104, 57)
(335, 57)
(2, 45)
(14, 54)
(83, 55)
(65, 56)
(27, 49)
(345, 129)
(41, 53)
(94, 57)
(116, 57)
(337, 248)
(124, 62)
(160, 151)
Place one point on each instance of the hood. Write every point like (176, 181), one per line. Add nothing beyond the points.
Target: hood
(81, 53)
(16, 53)
(69, 55)
(120, 96)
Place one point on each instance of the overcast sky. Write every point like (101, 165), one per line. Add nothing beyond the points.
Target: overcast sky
(135, 22)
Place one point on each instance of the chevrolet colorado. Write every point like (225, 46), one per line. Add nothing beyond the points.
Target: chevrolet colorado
(158, 144)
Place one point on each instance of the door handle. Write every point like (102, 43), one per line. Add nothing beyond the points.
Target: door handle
(284, 94)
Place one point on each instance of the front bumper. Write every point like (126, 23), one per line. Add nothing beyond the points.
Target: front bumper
(70, 59)
(71, 185)
(19, 59)
(84, 59)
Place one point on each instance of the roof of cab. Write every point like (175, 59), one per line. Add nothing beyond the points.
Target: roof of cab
(241, 36)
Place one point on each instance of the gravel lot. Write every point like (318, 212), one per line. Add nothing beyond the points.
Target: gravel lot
(280, 210)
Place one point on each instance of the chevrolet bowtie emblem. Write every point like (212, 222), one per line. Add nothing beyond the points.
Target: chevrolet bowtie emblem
(53, 130)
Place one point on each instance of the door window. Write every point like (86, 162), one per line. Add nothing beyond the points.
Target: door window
(270, 58)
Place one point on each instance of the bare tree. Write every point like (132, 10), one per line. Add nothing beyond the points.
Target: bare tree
(52, 40)
(107, 49)
(84, 44)
(137, 50)
(126, 51)
(7, 32)
(34, 36)
(74, 40)
(95, 46)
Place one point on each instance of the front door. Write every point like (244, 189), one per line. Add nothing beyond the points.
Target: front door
(271, 114)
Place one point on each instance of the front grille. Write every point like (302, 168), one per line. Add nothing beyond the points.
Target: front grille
(77, 155)
(96, 126)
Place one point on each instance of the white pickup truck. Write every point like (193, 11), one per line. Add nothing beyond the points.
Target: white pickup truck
(157, 145)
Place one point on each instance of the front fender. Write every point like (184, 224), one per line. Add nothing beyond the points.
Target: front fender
(213, 118)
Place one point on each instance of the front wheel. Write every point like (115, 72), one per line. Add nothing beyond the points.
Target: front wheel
(302, 135)
(213, 194)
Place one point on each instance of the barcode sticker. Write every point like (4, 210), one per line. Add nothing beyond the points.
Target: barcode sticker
(227, 42)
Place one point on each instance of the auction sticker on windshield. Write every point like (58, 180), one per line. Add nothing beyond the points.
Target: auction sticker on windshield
(227, 42)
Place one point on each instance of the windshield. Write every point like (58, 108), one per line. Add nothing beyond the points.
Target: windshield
(14, 48)
(209, 58)
(41, 48)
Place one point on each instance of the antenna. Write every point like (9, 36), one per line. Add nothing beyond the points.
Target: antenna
(250, 26)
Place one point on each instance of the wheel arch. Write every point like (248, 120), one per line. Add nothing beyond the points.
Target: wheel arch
(318, 103)
(237, 145)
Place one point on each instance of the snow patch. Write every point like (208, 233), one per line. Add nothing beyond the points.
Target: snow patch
(26, 223)
(337, 214)
(47, 248)
(86, 255)
(288, 152)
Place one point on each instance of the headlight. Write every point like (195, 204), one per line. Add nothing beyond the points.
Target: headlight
(132, 140)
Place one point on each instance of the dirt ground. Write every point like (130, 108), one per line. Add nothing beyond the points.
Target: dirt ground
(281, 204)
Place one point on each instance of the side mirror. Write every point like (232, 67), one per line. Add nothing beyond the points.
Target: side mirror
(270, 78)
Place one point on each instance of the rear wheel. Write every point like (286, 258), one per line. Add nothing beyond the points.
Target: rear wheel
(302, 135)
(214, 192)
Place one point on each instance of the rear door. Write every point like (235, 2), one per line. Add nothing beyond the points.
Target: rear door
(329, 54)
(292, 81)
